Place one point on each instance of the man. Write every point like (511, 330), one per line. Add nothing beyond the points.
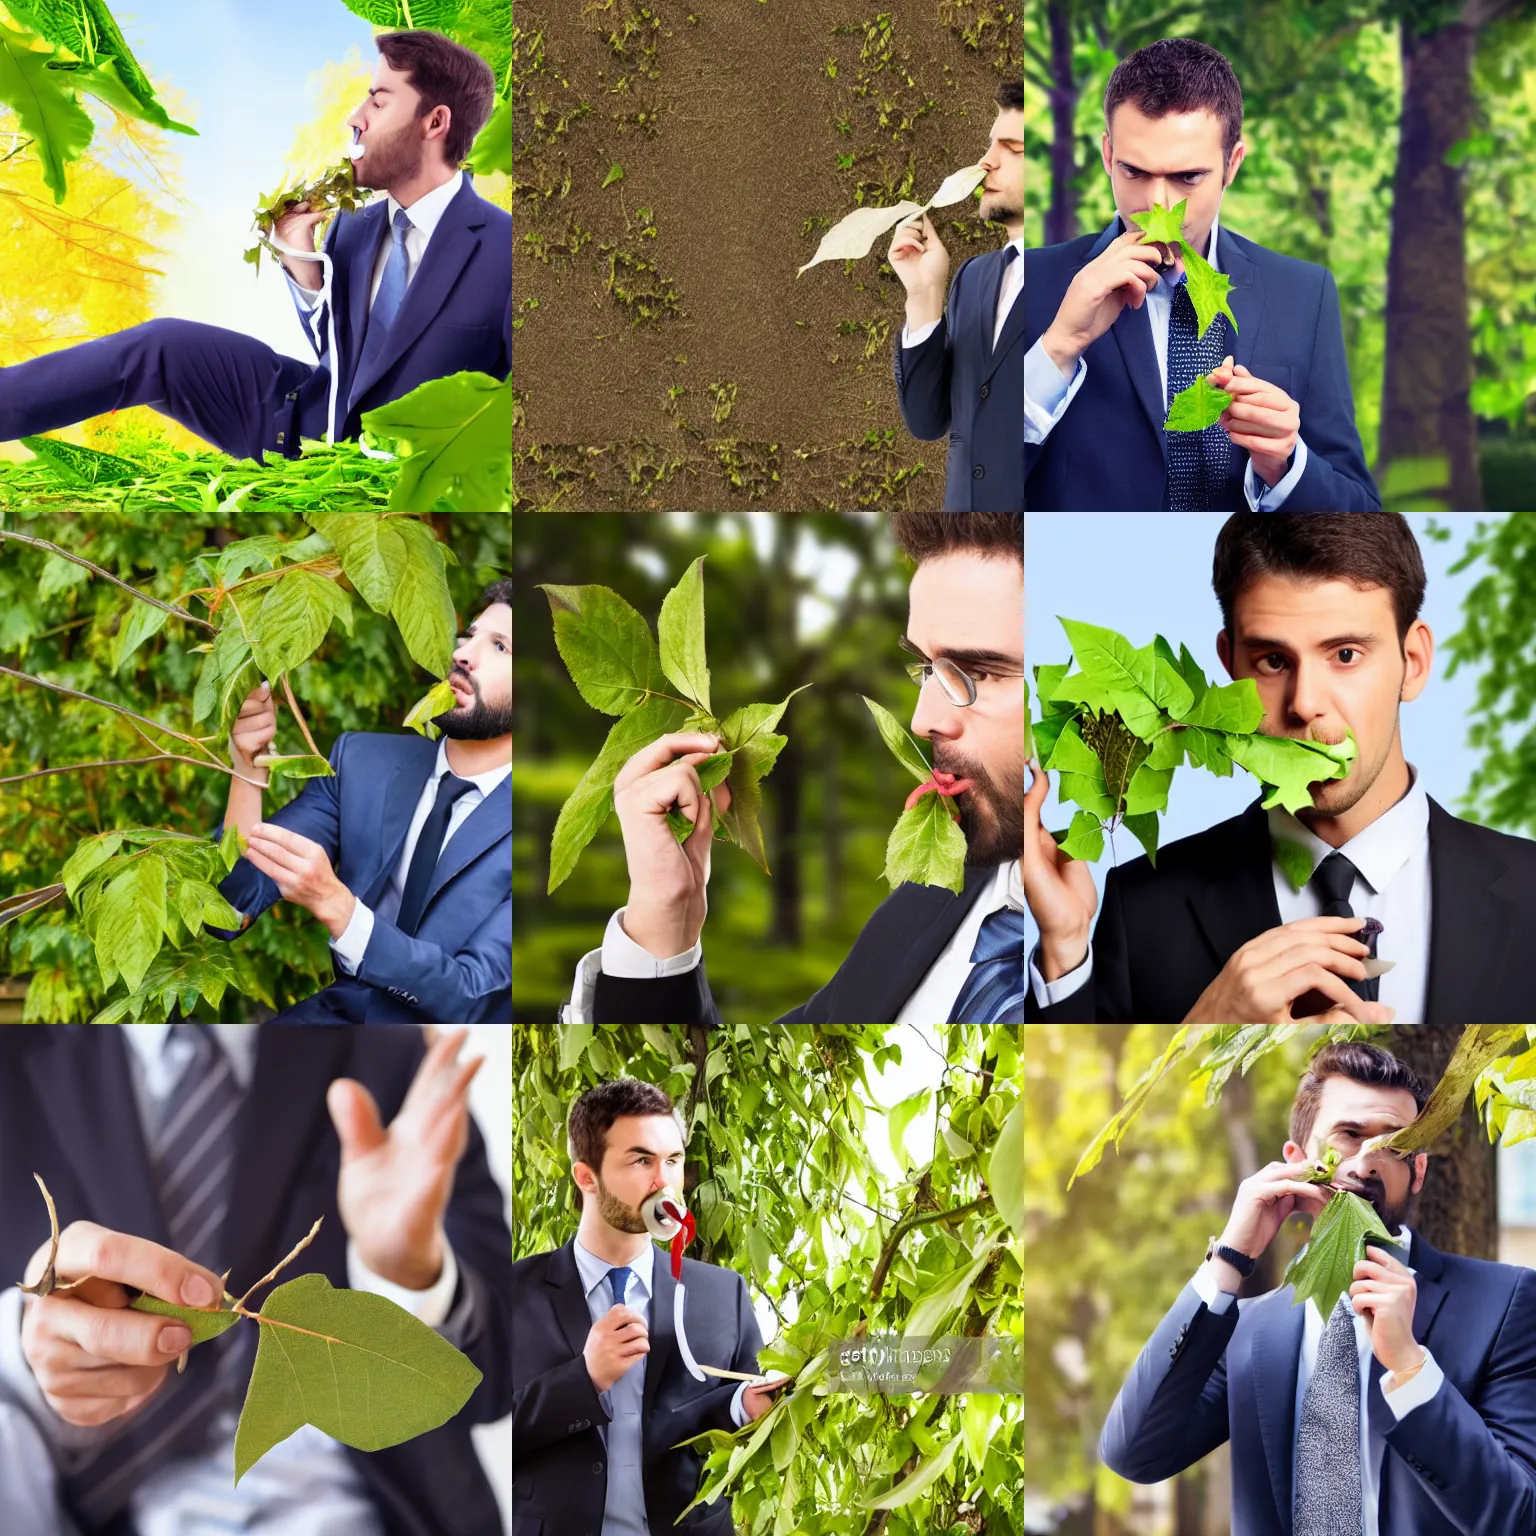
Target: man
(1323, 614)
(926, 955)
(175, 1153)
(1111, 331)
(957, 367)
(589, 1394)
(1409, 1411)
(405, 854)
(422, 288)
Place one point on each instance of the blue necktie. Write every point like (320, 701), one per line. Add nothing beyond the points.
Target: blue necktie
(994, 991)
(391, 294)
(618, 1278)
(429, 845)
(1197, 461)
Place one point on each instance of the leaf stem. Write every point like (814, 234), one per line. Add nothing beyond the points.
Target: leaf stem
(298, 715)
(282, 1264)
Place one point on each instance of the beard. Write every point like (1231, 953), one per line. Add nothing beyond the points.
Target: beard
(477, 721)
(621, 1217)
(991, 815)
(391, 159)
(996, 208)
(1374, 1193)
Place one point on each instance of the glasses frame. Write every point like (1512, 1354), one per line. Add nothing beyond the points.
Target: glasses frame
(925, 667)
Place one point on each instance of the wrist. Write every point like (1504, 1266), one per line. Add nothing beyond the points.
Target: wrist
(1061, 955)
(1060, 351)
(661, 938)
(337, 912)
(924, 306)
(417, 1268)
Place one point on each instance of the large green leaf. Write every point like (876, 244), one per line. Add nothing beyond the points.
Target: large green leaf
(901, 742)
(138, 625)
(1287, 767)
(422, 607)
(80, 466)
(456, 435)
(205, 1322)
(131, 919)
(1325, 1268)
(680, 630)
(924, 1320)
(299, 765)
(105, 82)
(920, 1481)
(1208, 289)
(744, 728)
(926, 846)
(1113, 668)
(1197, 407)
(492, 149)
(606, 647)
(293, 619)
(1232, 707)
(898, 1117)
(1162, 224)
(372, 552)
(89, 855)
(438, 701)
(1005, 1169)
(357, 1367)
(46, 109)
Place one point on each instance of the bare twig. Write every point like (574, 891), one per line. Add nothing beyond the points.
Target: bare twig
(90, 698)
(283, 1264)
(298, 714)
(48, 1282)
(111, 762)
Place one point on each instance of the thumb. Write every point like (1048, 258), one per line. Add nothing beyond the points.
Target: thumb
(355, 1116)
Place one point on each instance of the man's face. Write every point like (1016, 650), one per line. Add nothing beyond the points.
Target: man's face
(1002, 200)
(644, 1153)
(971, 610)
(1326, 660)
(1169, 160)
(1348, 1115)
(387, 125)
(482, 677)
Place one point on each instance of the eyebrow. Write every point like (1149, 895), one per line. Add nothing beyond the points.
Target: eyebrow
(976, 657)
(1199, 170)
(1332, 643)
(650, 1152)
(495, 633)
(1386, 1122)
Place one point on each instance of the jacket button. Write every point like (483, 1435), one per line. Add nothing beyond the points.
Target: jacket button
(986, 389)
(597, 1466)
(1173, 1353)
(978, 472)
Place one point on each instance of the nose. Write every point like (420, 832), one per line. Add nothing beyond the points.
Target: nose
(934, 716)
(1307, 701)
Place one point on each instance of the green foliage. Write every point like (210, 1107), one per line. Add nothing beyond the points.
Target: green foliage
(438, 701)
(204, 1322)
(1196, 408)
(1325, 1268)
(46, 109)
(333, 191)
(927, 846)
(455, 434)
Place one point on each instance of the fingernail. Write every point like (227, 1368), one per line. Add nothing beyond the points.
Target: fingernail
(173, 1340)
(196, 1291)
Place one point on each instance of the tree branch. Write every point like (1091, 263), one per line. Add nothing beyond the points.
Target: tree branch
(921, 1219)
(111, 762)
(143, 597)
(90, 698)
(298, 715)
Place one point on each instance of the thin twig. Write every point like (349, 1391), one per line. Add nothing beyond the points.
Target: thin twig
(298, 715)
(111, 762)
(279, 1267)
(90, 698)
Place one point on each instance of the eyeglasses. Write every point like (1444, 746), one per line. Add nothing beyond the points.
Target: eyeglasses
(958, 684)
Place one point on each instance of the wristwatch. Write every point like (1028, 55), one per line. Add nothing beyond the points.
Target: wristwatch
(1241, 1262)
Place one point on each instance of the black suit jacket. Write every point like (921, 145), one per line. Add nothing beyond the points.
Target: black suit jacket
(887, 963)
(559, 1466)
(67, 1111)
(1164, 933)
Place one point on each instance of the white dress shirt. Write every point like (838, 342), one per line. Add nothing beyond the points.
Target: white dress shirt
(1047, 394)
(929, 1003)
(1416, 1391)
(1013, 286)
(1391, 857)
(305, 1486)
(424, 215)
(353, 943)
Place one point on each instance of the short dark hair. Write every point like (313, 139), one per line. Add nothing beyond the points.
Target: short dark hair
(593, 1114)
(1010, 95)
(930, 535)
(499, 591)
(1361, 1064)
(445, 74)
(1178, 74)
(1366, 549)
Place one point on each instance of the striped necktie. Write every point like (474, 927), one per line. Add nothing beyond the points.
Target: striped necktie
(994, 991)
(192, 1151)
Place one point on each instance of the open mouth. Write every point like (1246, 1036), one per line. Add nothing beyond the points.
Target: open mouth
(461, 688)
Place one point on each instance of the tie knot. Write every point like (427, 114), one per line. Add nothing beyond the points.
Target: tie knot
(1009, 252)
(450, 787)
(1333, 880)
(1001, 937)
(401, 226)
(618, 1278)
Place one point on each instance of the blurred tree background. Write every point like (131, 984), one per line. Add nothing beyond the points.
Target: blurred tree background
(59, 621)
(1386, 138)
(819, 598)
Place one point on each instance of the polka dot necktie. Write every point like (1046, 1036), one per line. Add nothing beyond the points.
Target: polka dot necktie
(1333, 880)
(1197, 461)
(1328, 1498)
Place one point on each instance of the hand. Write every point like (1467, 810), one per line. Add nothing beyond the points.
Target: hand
(1263, 1202)
(758, 1400)
(921, 261)
(94, 1359)
(302, 870)
(667, 879)
(1262, 418)
(1120, 276)
(1261, 980)
(614, 1342)
(296, 227)
(1059, 889)
(254, 730)
(394, 1184)
(1385, 1292)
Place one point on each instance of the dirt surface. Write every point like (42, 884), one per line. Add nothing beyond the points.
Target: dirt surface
(729, 119)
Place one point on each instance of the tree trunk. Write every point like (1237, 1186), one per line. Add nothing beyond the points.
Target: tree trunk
(1061, 216)
(1459, 1208)
(1426, 409)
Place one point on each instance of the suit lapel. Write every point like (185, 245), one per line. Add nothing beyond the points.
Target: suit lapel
(1133, 336)
(1013, 326)
(663, 1337)
(360, 274)
(1471, 927)
(1246, 298)
(401, 794)
(1277, 1333)
(1238, 902)
(487, 824)
(569, 1299)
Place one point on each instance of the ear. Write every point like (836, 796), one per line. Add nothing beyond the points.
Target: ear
(1293, 1153)
(1224, 651)
(1105, 153)
(1418, 657)
(1420, 1170)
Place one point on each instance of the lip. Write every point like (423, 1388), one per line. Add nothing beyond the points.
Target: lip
(461, 688)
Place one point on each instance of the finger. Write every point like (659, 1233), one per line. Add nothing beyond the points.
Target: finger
(88, 1249)
(662, 751)
(1385, 1260)
(271, 859)
(355, 1114)
(104, 1382)
(89, 1413)
(294, 842)
(116, 1336)
(1315, 977)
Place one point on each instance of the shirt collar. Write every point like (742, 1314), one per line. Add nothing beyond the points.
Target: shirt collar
(426, 211)
(148, 1043)
(484, 782)
(594, 1271)
(1380, 850)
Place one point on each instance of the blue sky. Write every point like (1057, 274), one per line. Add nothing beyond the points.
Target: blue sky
(1146, 573)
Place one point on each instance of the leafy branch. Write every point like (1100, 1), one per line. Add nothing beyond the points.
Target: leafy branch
(926, 845)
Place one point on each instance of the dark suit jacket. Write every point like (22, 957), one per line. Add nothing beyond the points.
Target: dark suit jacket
(884, 968)
(957, 385)
(1164, 933)
(1464, 1461)
(67, 1112)
(559, 1476)
(456, 316)
(1288, 333)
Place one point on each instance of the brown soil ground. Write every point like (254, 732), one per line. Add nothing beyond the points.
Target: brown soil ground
(738, 148)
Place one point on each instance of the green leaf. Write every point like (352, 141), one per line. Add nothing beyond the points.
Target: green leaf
(205, 1322)
(1232, 707)
(89, 855)
(88, 30)
(680, 629)
(372, 552)
(357, 1367)
(205, 700)
(1071, 754)
(615, 173)
(1208, 289)
(747, 726)
(299, 765)
(439, 701)
(1112, 666)
(606, 647)
(1144, 829)
(976, 1420)
(1005, 1170)
(138, 624)
(574, 1040)
(492, 150)
(783, 1440)
(901, 742)
(231, 846)
(926, 846)
(293, 619)
(924, 1320)
(713, 770)
(1165, 225)
(80, 466)
(1114, 1130)
(131, 920)
(422, 607)
(1148, 790)
(1196, 408)
(919, 1483)
(757, 1249)
(1085, 837)
(1325, 1268)
(898, 1117)
(1294, 859)
(456, 437)
(46, 109)
(1286, 767)
(106, 84)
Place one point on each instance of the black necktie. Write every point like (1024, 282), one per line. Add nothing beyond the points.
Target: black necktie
(1333, 880)
(1197, 461)
(1009, 252)
(424, 860)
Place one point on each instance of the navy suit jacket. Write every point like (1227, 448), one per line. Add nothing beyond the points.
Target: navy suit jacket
(957, 384)
(559, 1477)
(1463, 1462)
(456, 315)
(1109, 453)
(67, 1112)
(457, 969)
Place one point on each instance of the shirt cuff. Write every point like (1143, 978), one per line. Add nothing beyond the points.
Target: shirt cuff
(739, 1415)
(1049, 993)
(353, 943)
(623, 957)
(430, 1306)
(1271, 498)
(1046, 394)
(911, 338)
(1417, 1390)
(1216, 1300)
